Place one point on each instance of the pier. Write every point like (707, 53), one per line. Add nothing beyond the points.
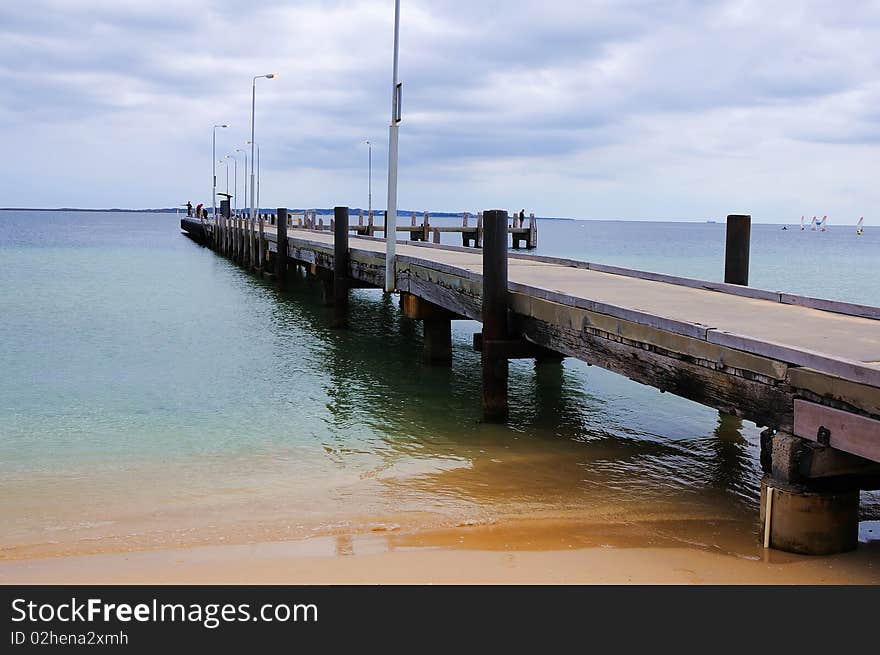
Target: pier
(807, 370)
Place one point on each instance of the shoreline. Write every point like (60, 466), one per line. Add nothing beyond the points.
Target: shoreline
(524, 552)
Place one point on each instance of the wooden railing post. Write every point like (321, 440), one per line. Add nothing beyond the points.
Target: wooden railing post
(261, 257)
(736, 250)
(494, 316)
(340, 267)
(281, 254)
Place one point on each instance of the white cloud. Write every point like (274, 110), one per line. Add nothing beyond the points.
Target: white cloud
(589, 109)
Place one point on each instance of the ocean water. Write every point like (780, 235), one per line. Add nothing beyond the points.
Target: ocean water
(153, 394)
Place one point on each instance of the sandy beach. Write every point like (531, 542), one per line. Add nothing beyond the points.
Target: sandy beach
(526, 552)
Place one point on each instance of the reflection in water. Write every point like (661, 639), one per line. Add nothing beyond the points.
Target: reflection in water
(256, 421)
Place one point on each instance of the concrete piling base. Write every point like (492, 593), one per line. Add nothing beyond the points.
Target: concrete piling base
(807, 521)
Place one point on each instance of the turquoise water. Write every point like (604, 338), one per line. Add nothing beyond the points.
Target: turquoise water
(154, 394)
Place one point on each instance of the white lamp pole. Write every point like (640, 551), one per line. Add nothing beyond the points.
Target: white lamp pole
(268, 76)
(369, 175)
(244, 177)
(214, 168)
(391, 220)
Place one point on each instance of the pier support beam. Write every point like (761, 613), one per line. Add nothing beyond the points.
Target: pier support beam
(437, 326)
(494, 315)
(281, 255)
(736, 250)
(803, 514)
(340, 267)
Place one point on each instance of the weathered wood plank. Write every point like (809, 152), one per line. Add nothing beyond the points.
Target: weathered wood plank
(765, 404)
(842, 430)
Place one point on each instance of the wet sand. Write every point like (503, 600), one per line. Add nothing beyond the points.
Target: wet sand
(526, 552)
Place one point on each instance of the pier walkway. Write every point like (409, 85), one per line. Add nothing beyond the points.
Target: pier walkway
(806, 369)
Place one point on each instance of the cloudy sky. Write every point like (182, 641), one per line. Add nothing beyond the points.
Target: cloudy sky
(615, 109)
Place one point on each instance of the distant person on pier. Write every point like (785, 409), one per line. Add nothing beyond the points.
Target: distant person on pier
(189, 208)
(522, 217)
(199, 210)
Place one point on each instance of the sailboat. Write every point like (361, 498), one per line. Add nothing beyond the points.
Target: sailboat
(823, 222)
(813, 224)
(803, 227)
(860, 225)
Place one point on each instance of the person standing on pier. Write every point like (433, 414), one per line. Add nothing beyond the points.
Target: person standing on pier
(189, 208)
(522, 217)
(199, 210)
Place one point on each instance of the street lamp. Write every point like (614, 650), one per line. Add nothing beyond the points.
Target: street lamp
(391, 219)
(257, 167)
(244, 183)
(226, 164)
(269, 76)
(234, 174)
(214, 168)
(370, 175)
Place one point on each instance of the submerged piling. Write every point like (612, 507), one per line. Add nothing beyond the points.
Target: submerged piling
(281, 258)
(340, 267)
(494, 315)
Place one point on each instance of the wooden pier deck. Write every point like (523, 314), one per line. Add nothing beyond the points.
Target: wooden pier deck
(807, 369)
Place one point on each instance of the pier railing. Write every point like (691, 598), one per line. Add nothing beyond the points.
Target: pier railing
(523, 231)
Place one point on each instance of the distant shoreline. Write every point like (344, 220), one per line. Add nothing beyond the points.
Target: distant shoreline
(401, 213)
(170, 210)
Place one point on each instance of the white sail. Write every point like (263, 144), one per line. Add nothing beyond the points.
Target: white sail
(823, 222)
(860, 225)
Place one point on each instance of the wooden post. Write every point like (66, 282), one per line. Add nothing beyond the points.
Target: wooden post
(436, 235)
(340, 268)
(494, 315)
(426, 228)
(370, 228)
(235, 239)
(479, 240)
(281, 254)
(465, 237)
(360, 217)
(533, 231)
(736, 250)
(242, 242)
(261, 246)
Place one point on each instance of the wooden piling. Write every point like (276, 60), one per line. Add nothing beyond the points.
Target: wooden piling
(479, 240)
(340, 267)
(426, 227)
(494, 315)
(736, 250)
(436, 234)
(281, 255)
(252, 251)
(261, 245)
(533, 231)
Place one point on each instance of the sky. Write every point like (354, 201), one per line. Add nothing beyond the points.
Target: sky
(619, 109)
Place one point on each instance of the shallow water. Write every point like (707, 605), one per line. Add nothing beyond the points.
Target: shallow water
(153, 394)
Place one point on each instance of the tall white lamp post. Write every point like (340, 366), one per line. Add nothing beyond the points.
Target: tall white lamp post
(391, 220)
(214, 168)
(268, 76)
(369, 175)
